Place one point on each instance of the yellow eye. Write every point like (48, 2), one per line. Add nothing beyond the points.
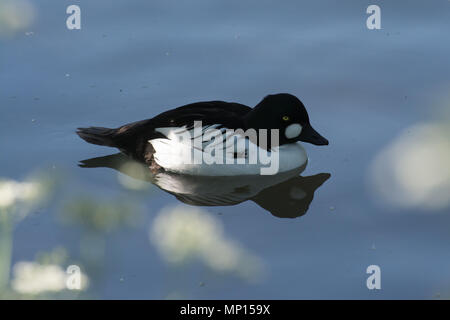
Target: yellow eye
(286, 118)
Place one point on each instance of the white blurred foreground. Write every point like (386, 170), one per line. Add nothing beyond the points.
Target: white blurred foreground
(414, 170)
(15, 16)
(34, 278)
(13, 192)
(182, 233)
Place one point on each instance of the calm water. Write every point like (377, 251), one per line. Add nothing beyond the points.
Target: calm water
(134, 59)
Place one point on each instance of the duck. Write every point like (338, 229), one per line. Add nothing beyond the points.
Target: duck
(285, 195)
(217, 138)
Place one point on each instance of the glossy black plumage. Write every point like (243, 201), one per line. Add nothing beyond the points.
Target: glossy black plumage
(133, 138)
(277, 111)
(228, 114)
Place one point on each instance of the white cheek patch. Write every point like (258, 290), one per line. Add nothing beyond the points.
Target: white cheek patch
(293, 130)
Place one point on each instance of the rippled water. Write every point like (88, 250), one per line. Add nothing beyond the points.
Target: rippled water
(364, 90)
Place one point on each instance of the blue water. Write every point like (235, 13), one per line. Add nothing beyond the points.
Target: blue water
(134, 59)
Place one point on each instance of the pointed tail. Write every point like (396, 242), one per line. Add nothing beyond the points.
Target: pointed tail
(98, 135)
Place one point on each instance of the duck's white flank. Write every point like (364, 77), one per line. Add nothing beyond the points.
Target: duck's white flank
(236, 152)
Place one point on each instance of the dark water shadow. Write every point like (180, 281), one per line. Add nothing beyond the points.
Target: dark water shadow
(284, 195)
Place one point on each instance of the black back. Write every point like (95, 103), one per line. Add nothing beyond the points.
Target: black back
(132, 138)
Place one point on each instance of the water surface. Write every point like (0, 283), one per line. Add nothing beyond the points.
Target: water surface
(134, 59)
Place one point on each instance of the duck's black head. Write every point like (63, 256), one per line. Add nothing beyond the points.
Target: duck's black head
(287, 113)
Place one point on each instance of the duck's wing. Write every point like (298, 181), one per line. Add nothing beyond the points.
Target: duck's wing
(133, 138)
(217, 115)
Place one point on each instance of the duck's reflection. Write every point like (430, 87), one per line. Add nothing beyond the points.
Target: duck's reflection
(285, 195)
